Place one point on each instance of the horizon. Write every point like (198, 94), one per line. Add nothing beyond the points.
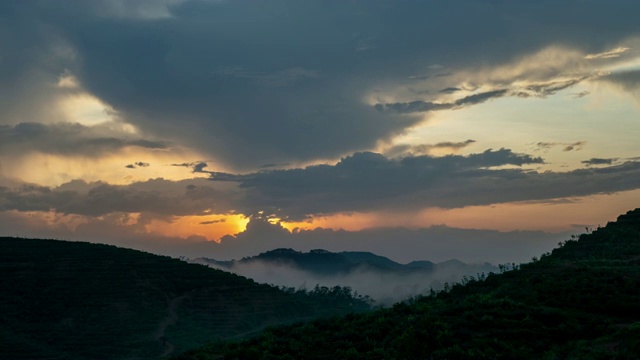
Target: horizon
(420, 130)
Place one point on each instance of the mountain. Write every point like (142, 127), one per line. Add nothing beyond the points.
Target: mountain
(580, 301)
(75, 300)
(325, 263)
(384, 280)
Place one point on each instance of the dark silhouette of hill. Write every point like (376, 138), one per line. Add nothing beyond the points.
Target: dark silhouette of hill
(581, 301)
(74, 300)
(323, 262)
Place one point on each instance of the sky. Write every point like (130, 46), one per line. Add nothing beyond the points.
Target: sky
(483, 130)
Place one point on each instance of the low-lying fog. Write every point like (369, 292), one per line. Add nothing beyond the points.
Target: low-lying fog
(385, 287)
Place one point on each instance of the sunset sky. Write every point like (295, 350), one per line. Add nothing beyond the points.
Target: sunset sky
(483, 130)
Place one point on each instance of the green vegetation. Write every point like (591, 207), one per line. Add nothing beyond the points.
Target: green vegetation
(581, 301)
(74, 300)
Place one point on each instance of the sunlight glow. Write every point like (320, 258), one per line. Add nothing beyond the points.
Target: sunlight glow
(86, 109)
(54, 170)
(211, 227)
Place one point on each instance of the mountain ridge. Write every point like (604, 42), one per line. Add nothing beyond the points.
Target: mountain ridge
(324, 262)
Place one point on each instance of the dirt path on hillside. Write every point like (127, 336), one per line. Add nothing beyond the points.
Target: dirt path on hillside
(171, 319)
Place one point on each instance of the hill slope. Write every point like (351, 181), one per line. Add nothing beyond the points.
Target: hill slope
(582, 301)
(85, 301)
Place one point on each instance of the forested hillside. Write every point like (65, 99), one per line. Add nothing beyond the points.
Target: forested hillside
(74, 300)
(581, 301)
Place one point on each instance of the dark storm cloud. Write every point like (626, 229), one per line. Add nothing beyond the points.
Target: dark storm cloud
(66, 139)
(361, 182)
(370, 182)
(161, 197)
(599, 161)
(255, 83)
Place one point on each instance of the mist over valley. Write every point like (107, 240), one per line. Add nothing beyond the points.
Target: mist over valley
(384, 280)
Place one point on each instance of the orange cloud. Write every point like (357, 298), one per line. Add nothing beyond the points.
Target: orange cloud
(211, 227)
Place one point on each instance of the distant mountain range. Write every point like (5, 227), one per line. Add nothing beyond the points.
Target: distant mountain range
(325, 263)
(384, 280)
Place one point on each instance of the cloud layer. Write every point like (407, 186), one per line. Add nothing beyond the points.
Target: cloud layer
(222, 78)
(362, 182)
(369, 182)
(69, 139)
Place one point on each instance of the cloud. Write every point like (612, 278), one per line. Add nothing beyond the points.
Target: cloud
(450, 90)
(613, 53)
(424, 106)
(266, 166)
(385, 287)
(575, 146)
(196, 166)
(436, 243)
(363, 182)
(158, 196)
(369, 182)
(533, 89)
(250, 93)
(68, 139)
(551, 87)
(281, 78)
(137, 164)
(599, 161)
(245, 84)
(139, 10)
(404, 150)
(212, 222)
(454, 145)
(581, 94)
